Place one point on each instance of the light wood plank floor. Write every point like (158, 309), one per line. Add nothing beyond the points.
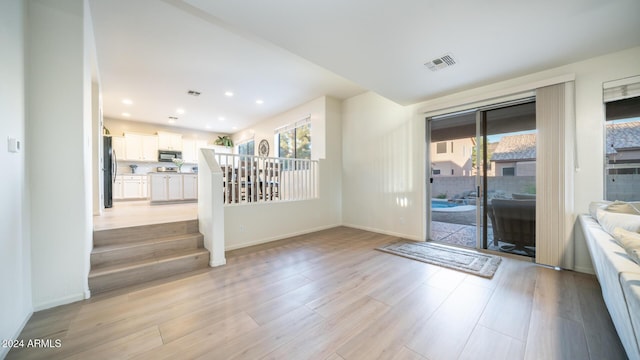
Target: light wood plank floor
(134, 213)
(330, 295)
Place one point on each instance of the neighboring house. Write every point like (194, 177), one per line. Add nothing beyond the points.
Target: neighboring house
(623, 143)
(452, 158)
(515, 155)
(457, 158)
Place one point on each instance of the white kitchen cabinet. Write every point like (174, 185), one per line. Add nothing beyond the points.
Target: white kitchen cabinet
(169, 141)
(190, 149)
(139, 147)
(173, 187)
(158, 187)
(149, 148)
(144, 186)
(118, 147)
(134, 187)
(166, 187)
(116, 190)
(219, 149)
(190, 186)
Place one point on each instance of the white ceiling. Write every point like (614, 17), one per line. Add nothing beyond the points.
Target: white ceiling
(287, 52)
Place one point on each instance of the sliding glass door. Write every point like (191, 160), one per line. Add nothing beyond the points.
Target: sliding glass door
(482, 178)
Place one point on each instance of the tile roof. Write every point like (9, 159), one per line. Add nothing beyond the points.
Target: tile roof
(516, 147)
(623, 136)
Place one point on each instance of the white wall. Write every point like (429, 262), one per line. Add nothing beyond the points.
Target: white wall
(264, 129)
(384, 136)
(15, 263)
(247, 225)
(382, 171)
(58, 151)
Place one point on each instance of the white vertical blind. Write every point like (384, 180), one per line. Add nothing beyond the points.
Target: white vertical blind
(554, 175)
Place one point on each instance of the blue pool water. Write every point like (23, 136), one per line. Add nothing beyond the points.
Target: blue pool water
(442, 204)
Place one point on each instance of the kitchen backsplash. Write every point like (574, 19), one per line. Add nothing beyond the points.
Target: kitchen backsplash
(147, 167)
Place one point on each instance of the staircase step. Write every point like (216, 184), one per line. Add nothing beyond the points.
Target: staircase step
(121, 253)
(112, 277)
(143, 232)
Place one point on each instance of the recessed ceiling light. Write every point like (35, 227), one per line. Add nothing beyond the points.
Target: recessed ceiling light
(127, 101)
(208, 126)
(228, 93)
(126, 114)
(259, 102)
(221, 118)
(179, 111)
(234, 128)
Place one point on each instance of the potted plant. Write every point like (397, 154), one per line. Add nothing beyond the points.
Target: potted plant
(224, 141)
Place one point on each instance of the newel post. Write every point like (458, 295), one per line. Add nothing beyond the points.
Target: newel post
(211, 206)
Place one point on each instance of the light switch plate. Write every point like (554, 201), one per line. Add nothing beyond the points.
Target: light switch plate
(14, 145)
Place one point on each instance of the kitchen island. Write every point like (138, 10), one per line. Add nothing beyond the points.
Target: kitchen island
(165, 187)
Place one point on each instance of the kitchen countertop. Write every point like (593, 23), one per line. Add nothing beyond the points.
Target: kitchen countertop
(171, 172)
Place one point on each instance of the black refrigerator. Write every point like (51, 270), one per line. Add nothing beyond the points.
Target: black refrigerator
(109, 170)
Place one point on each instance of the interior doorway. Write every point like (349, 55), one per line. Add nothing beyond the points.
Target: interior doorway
(482, 190)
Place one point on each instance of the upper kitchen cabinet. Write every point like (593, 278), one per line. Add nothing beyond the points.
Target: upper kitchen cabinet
(141, 147)
(190, 149)
(118, 146)
(169, 141)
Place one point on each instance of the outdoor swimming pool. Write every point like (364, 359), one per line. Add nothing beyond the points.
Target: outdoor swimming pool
(441, 204)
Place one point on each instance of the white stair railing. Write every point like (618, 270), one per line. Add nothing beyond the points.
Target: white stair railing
(249, 179)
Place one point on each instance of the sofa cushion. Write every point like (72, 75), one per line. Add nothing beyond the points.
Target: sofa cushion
(624, 207)
(611, 220)
(595, 205)
(630, 241)
(521, 196)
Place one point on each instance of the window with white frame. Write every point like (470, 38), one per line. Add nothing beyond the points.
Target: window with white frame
(294, 140)
(247, 147)
(622, 144)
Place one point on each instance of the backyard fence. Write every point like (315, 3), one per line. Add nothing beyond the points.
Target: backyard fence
(452, 187)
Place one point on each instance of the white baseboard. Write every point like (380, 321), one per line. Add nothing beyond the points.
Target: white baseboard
(57, 302)
(280, 237)
(217, 263)
(586, 270)
(385, 232)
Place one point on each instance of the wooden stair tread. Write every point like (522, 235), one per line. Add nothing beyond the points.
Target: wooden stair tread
(111, 269)
(135, 244)
(134, 255)
(144, 232)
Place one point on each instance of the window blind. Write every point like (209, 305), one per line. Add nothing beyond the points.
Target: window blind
(292, 126)
(621, 89)
(554, 175)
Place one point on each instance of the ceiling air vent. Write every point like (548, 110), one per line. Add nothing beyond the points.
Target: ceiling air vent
(441, 62)
(193, 92)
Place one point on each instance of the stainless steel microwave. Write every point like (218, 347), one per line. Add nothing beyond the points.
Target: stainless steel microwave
(168, 156)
